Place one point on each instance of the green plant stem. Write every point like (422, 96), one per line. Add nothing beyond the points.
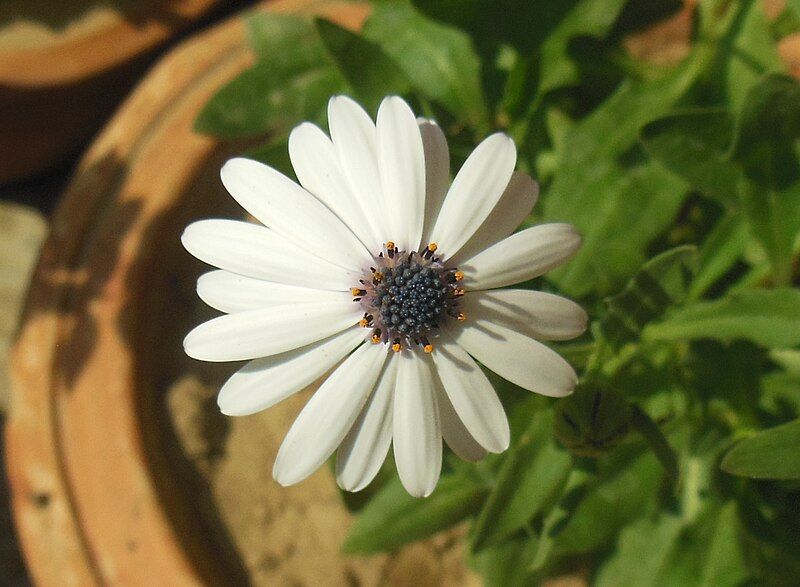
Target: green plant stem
(642, 422)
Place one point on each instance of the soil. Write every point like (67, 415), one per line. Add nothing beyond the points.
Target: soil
(290, 536)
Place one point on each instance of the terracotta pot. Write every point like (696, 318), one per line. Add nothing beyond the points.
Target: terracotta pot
(65, 66)
(105, 485)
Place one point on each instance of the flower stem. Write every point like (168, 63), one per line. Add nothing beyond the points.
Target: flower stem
(663, 451)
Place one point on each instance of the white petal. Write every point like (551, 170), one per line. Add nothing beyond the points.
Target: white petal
(264, 382)
(328, 415)
(472, 396)
(317, 167)
(229, 292)
(514, 206)
(292, 212)
(536, 314)
(517, 358)
(255, 251)
(437, 173)
(262, 333)
(454, 432)
(401, 160)
(364, 449)
(522, 256)
(353, 136)
(476, 188)
(416, 427)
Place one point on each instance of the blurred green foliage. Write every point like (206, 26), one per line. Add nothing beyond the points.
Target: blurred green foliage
(685, 181)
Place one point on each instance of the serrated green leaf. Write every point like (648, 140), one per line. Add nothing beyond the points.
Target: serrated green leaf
(768, 317)
(440, 61)
(531, 476)
(695, 145)
(660, 282)
(393, 518)
(371, 74)
(770, 454)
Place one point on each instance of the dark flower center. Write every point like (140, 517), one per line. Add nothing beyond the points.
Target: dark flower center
(408, 296)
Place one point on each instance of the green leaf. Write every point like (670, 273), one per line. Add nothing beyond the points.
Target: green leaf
(709, 553)
(768, 317)
(695, 145)
(439, 61)
(641, 551)
(662, 551)
(530, 478)
(660, 283)
(505, 564)
(276, 37)
(371, 74)
(274, 153)
(768, 127)
(589, 170)
(774, 219)
(624, 491)
(635, 207)
(592, 18)
(258, 103)
(393, 518)
(282, 89)
(723, 246)
(752, 53)
(770, 454)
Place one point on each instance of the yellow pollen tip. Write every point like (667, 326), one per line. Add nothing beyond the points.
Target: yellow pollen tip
(355, 291)
(428, 348)
(378, 277)
(389, 245)
(362, 323)
(433, 247)
(396, 347)
(461, 316)
(375, 339)
(458, 292)
(459, 275)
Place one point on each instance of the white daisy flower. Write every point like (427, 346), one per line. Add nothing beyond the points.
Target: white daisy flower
(374, 268)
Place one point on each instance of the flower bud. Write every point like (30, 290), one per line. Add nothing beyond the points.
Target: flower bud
(593, 420)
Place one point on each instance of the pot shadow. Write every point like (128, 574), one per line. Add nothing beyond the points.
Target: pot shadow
(77, 281)
(58, 16)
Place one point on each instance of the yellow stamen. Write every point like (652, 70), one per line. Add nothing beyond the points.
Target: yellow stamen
(389, 245)
(458, 292)
(378, 277)
(432, 247)
(461, 316)
(363, 323)
(375, 339)
(459, 275)
(428, 348)
(357, 291)
(396, 347)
